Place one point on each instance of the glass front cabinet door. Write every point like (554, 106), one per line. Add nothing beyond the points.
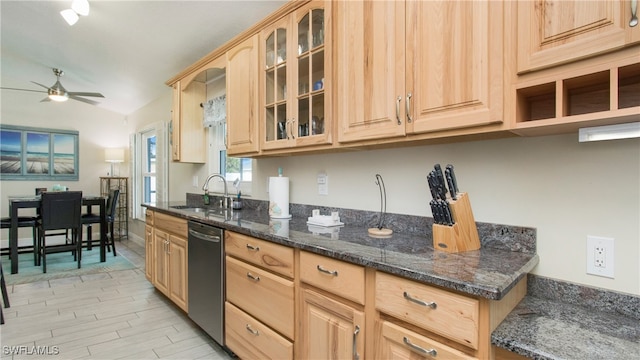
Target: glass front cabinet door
(295, 74)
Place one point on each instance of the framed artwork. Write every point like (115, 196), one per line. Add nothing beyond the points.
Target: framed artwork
(38, 154)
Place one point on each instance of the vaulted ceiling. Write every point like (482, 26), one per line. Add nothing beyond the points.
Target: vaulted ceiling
(125, 50)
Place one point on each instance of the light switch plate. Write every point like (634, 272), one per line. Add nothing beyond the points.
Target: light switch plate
(323, 184)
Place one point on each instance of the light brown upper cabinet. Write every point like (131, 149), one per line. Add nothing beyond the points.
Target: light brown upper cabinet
(417, 67)
(556, 32)
(242, 98)
(295, 79)
(188, 135)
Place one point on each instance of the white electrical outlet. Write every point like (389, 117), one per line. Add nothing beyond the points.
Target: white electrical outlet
(600, 253)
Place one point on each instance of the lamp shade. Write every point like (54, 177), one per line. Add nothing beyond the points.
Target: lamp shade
(114, 155)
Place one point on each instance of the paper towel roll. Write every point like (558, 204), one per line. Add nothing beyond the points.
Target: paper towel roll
(279, 197)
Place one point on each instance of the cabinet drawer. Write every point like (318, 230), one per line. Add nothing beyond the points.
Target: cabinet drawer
(396, 340)
(273, 257)
(267, 297)
(250, 339)
(335, 276)
(171, 224)
(451, 315)
(148, 217)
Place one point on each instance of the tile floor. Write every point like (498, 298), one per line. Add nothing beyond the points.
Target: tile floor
(116, 315)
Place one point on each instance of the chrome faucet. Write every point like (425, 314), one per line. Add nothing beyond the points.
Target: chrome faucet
(226, 202)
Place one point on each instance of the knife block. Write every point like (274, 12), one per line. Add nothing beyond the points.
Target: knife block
(463, 235)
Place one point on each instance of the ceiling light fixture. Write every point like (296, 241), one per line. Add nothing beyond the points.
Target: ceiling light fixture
(609, 132)
(70, 16)
(81, 7)
(78, 7)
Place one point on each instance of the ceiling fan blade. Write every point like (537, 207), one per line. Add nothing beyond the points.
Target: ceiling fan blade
(45, 99)
(8, 88)
(46, 87)
(85, 94)
(91, 102)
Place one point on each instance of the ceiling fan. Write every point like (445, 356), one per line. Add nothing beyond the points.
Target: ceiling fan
(58, 93)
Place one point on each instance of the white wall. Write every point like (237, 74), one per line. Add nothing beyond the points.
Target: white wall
(98, 129)
(565, 189)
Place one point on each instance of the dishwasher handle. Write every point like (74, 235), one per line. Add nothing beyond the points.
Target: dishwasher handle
(206, 237)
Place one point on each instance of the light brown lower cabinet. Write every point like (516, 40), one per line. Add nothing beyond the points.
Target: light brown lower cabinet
(330, 329)
(148, 245)
(285, 303)
(260, 303)
(166, 257)
(397, 343)
(251, 339)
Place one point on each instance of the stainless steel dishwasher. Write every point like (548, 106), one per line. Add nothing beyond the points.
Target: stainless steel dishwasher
(206, 279)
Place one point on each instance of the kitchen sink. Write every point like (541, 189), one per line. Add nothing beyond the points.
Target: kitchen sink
(210, 213)
(189, 208)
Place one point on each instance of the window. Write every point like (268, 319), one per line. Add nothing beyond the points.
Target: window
(149, 167)
(231, 168)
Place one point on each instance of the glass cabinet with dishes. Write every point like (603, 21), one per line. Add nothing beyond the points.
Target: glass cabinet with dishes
(295, 63)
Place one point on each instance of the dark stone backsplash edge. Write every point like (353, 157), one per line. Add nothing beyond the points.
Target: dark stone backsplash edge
(496, 236)
(576, 294)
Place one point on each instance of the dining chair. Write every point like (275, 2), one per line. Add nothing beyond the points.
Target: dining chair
(60, 211)
(25, 221)
(5, 294)
(110, 209)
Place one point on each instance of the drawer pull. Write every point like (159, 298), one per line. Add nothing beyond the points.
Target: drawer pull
(431, 352)
(253, 277)
(356, 356)
(432, 305)
(253, 248)
(254, 332)
(321, 269)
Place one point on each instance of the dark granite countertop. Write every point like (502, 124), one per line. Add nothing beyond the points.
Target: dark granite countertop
(541, 328)
(488, 272)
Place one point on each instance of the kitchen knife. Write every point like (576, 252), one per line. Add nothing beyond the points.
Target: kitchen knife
(442, 189)
(452, 186)
(446, 212)
(436, 212)
(453, 177)
(432, 186)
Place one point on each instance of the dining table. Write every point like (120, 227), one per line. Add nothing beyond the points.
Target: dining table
(33, 201)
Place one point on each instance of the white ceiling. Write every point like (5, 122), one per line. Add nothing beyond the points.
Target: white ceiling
(125, 50)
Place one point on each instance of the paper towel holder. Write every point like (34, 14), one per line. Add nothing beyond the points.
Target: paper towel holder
(380, 230)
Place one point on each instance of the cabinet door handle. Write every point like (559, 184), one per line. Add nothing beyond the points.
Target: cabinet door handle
(431, 352)
(321, 269)
(253, 277)
(293, 120)
(432, 305)
(253, 248)
(168, 247)
(634, 13)
(356, 356)
(398, 100)
(409, 119)
(254, 332)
